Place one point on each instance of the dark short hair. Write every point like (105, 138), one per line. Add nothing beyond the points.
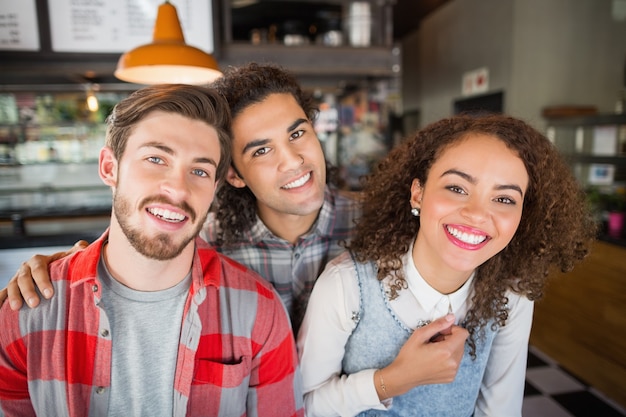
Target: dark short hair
(248, 84)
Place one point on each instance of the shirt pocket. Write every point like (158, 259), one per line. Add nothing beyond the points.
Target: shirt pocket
(223, 374)
(220, 388)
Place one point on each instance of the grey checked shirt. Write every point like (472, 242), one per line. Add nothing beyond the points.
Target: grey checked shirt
(293, 269)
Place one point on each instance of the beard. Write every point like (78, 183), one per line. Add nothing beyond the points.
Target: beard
(162, 246)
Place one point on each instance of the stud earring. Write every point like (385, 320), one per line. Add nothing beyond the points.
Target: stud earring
(415, 211)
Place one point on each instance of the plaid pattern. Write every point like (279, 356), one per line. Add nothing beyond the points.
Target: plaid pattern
(236, 355)
(293, 269)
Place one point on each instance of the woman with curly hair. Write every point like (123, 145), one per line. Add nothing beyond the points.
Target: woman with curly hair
(461, 225)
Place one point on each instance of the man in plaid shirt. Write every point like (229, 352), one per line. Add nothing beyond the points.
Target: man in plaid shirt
(278, 212)
(150, 320)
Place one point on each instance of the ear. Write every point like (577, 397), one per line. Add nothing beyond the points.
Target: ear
(417, 191)
(107, 167)
(234, 179)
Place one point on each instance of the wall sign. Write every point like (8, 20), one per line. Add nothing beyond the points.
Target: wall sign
(115, 26)
(476, 82)
(18, 25)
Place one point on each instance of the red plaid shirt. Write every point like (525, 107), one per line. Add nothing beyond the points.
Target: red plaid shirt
(56, 360)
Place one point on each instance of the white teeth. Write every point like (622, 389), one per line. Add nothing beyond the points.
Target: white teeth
(297, 183)
(466, 237)
(167, 215)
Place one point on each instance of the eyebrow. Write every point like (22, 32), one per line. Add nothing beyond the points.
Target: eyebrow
(295, 124)
(168, 150)
(260, 142)
(473, 180)
(253, 144)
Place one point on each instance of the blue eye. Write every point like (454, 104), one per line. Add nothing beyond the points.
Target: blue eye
(155, 159)
(200, 173)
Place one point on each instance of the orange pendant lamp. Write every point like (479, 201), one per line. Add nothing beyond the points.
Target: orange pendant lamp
(168, 59)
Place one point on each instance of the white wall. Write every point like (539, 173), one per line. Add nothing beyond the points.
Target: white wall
(539, 52)
(566, 52)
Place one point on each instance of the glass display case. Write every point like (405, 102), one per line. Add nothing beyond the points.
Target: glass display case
(49, 147)
(595, 147)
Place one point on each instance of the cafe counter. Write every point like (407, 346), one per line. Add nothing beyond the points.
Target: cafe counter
(581, 320)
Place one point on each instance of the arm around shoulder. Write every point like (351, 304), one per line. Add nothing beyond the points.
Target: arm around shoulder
(31, 273)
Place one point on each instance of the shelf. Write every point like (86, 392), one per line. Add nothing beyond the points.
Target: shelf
(318, 61)
(73, 124)
(593, 159)
(316, 65)
(588, 140)
(592, 120)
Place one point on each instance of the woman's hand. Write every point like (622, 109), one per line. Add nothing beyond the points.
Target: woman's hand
(34, 272)
(432, 355)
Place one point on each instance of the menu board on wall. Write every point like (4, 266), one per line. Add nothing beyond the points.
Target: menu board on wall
(115, 26)
(18, 26)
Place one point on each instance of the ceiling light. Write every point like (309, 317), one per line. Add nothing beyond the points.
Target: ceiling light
(92, 100)
(168, 59)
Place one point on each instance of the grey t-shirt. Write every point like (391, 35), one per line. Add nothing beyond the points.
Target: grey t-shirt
(145, 331)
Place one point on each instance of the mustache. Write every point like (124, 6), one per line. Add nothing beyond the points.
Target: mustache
(164, 200)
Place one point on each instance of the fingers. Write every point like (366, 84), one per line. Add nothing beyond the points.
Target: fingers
(14, 295)
(81, 244)
(432, 332)
(22, 288)
(3, 295)
(447, 348)
(45, 260)
(432, 355)
(457, 337)
(34, 272)
(36, 269)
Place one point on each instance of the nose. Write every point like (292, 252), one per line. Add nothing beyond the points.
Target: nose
(475, 210)
(175, 185)
(291, 159)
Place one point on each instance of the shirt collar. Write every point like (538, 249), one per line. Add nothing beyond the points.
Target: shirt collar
(326, 219)
(206, 267)
(323, 225)
(427, 296)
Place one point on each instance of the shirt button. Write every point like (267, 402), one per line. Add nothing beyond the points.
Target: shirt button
(100, 390)
(104, 333)
(94, 288)
(297, 256)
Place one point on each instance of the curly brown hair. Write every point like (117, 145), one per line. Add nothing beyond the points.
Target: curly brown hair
(243, 86)
(555, 230)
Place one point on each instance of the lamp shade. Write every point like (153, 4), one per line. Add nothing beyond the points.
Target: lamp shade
(168, 59)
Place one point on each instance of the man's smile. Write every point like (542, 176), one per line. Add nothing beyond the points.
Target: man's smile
(297, 183)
